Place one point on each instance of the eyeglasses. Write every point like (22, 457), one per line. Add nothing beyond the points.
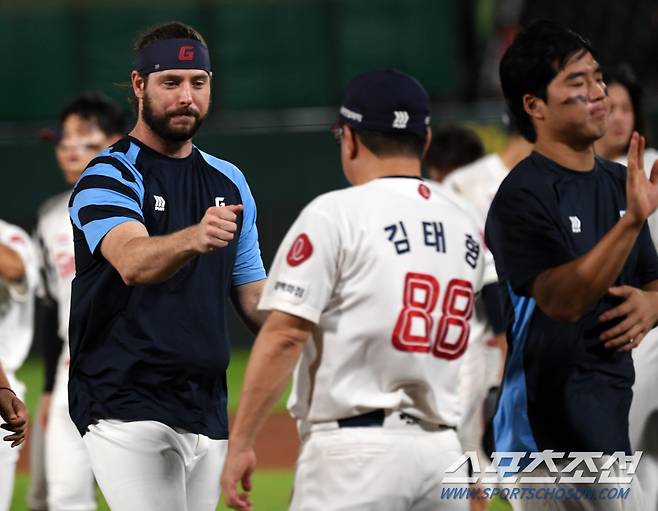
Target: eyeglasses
(338, 132)
(82, 146)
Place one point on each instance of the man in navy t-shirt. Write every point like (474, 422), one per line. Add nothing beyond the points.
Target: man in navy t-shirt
(576, 264)
(164, 233)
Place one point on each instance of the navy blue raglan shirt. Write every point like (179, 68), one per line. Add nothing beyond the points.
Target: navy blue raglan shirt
(159, 351)
(562, 388)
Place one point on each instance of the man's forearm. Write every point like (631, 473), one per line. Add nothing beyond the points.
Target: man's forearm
(143, 259)
(11, 264)
(153, 259)
(566, 292)
(245, 300)
(271, 363)
(4, 381)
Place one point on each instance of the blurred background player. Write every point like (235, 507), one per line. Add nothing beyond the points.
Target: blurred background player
(477, 182)
(626, 100)
(18, 281)
(89, 124)
(452, 147)
(627, 115)
(164, 236)
(357, 289)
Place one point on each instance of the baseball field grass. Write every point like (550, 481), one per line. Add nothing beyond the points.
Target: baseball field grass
(271, 486)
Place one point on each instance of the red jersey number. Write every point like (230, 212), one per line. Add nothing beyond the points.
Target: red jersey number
(421, 293)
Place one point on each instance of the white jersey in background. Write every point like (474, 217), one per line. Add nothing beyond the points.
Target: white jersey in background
(650, 156)
(643, 416)
(388, 272)
(69, 476)
(478, 182)
(16, 330)
(17, 302)
(55, 245)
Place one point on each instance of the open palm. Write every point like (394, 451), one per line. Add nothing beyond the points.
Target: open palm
(641, 192)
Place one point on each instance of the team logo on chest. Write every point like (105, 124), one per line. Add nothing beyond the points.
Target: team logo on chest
(159, 203)
(575, 224)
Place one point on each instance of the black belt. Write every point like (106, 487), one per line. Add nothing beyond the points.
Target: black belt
(376, 418)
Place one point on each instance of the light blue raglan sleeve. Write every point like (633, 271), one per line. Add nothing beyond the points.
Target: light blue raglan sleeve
(108, 193)
(248, 266)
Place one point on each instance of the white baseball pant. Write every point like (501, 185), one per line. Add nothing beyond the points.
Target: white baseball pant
(643, 418)
(148, 466)
(68, 469)
(9, 455)
(394, 467)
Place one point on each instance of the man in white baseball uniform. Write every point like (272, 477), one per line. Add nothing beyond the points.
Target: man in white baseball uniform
(18, 277)
(373, 286)
(90, 123)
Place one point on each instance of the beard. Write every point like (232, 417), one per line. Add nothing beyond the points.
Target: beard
(160, 124)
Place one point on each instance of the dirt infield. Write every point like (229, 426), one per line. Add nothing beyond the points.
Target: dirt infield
(276, 445)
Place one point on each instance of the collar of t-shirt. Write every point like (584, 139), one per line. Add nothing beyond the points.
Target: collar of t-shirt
(543, 161)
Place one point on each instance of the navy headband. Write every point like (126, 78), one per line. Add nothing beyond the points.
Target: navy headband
(173, 54)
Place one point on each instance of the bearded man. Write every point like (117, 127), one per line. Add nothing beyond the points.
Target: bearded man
(164, 234)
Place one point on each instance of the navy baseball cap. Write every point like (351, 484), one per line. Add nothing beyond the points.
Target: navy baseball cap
(386, 100)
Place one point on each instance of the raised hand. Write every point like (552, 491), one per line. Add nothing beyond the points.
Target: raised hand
(217, 227)
(641, 193)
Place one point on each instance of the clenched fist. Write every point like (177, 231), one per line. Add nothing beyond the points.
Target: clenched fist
(217, 227)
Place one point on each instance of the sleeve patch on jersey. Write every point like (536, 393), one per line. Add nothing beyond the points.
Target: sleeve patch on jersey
(17, 238)
(292, 292)
(300, 251)
(424, 191)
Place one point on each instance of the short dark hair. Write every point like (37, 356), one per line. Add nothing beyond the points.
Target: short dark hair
(623, 75)
(537, 54)
(384, 144)
(108, 115)
(453, 146)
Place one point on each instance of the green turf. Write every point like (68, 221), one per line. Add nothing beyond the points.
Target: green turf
(31, 374)
(271, 491)
(234, 377)
(271, 487)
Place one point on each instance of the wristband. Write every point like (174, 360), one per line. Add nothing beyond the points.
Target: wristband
(7, 388)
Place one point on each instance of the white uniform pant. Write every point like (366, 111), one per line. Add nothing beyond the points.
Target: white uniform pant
(37, 492)
(148, 466)
(8, 459)
(389, 468)
(9, 455)
(643, 418)
(68, 469)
